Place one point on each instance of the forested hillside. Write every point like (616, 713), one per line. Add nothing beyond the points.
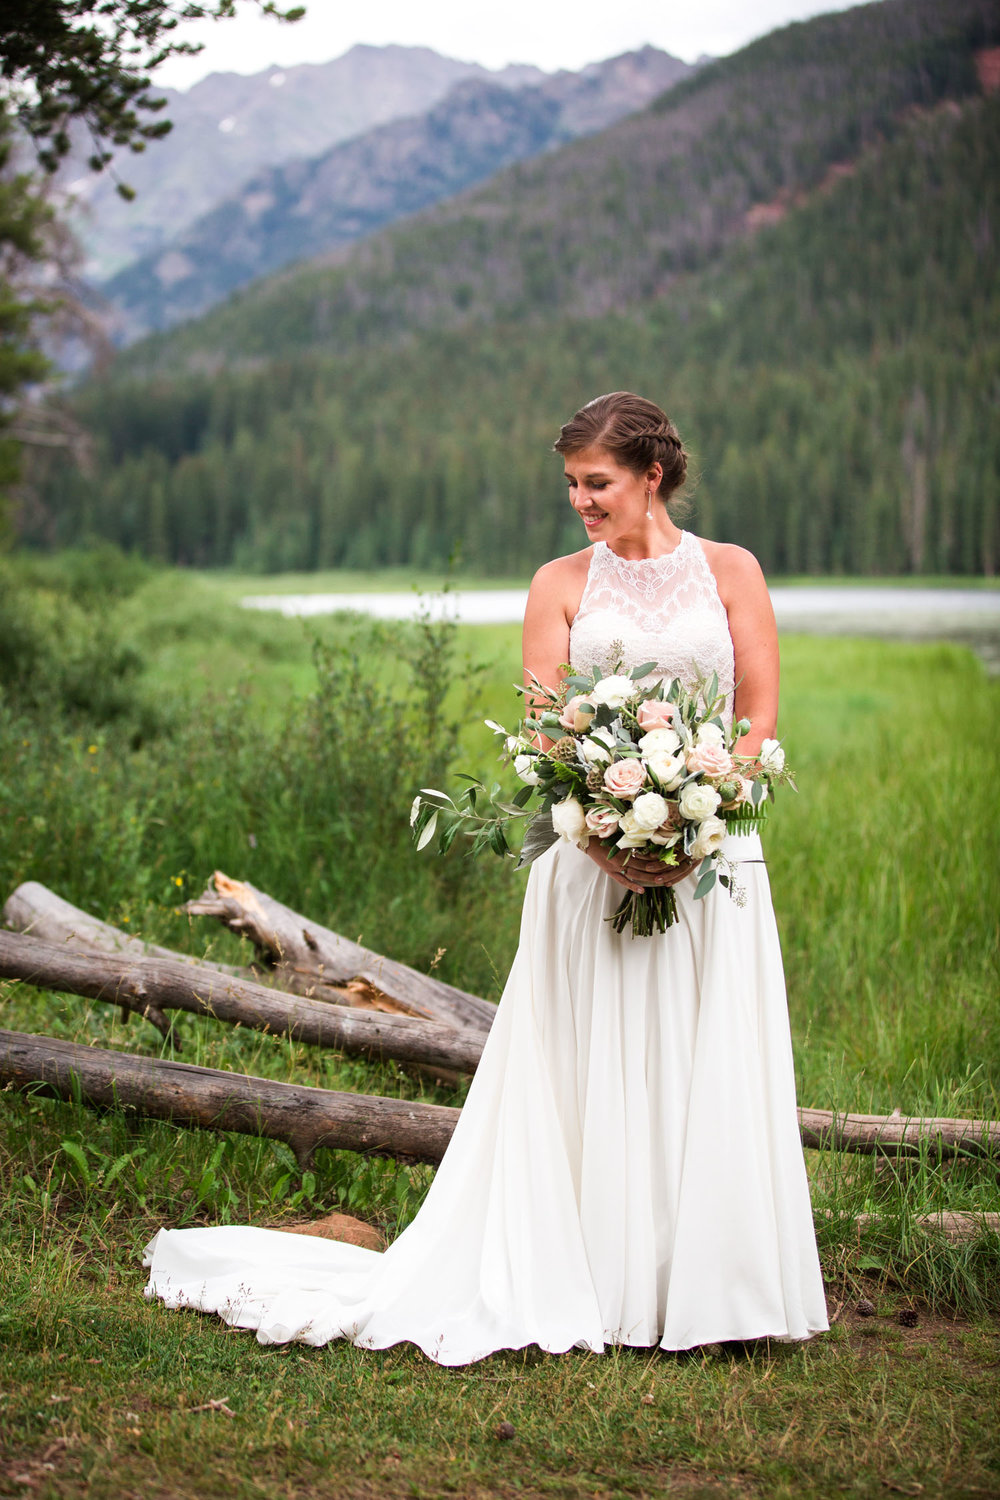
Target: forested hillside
(795, 251)
(310, 206)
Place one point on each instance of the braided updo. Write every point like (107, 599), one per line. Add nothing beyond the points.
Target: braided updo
(634, 431)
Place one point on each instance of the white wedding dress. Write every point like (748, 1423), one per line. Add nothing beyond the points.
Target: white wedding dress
(627, 1168)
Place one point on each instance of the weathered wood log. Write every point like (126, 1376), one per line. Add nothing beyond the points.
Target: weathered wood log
(898, 1135)
(887, 1135)
(205, 1098)
(283, 937)
(34, 908)
(150, 986)
(953, 1226)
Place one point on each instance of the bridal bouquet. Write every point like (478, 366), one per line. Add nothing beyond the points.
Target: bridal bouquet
(647, 769)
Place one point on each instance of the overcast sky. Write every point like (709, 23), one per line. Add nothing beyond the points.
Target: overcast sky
(550, 33)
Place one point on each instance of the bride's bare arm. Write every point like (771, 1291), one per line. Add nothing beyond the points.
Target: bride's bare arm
(748, 606)
(553, 600)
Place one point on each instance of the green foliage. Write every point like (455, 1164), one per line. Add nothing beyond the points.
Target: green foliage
(60, 654)
(835, 376)
(129, 794)
(68, 60)
(25, 219)
(881, 882)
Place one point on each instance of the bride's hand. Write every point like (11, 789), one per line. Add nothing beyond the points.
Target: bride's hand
(635, 871)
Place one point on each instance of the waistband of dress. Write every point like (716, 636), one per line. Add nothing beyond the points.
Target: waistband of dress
(740, 845)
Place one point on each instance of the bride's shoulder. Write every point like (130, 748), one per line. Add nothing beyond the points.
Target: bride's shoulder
(734, 568)
(563, 572)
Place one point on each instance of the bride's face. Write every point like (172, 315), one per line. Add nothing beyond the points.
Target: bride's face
(610, 500)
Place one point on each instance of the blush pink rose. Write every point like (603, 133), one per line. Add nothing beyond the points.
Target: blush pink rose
(710, 760)
(602, 821)
(624, 778)
(578, 713)
(656, 715)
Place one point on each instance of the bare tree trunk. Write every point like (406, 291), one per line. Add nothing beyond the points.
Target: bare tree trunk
(320, 957)
(204, 1098)
(150, 986)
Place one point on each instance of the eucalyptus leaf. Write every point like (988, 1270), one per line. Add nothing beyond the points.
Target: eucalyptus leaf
(705, 883)
(538, 836)
(429, 830)
(449, 836)
(498, 842)
(643, 671)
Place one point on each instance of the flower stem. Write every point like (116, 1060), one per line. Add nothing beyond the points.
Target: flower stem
(655, 908)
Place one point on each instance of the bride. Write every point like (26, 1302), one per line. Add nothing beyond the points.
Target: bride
(627, 1168)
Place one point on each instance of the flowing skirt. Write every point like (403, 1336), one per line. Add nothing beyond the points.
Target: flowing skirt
(627, 1167)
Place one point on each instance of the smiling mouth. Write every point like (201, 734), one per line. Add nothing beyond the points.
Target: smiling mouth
(593, 517)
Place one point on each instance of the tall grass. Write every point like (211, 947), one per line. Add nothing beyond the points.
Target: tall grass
(298, 774)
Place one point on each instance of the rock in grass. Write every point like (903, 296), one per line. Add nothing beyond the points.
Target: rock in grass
(865, 1308)
(505, 1432)
(343, 1227)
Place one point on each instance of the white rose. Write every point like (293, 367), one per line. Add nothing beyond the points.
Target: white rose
(633, 836)
(772, 757)
(698, 801)
(524, 765)
(613, 692)
(710, 837)
(709, 734)
(597, 748)
(660, 742)
(649, 811)
(669, 770)
(569, 822)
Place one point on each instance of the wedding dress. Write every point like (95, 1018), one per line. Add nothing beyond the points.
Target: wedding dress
(627, 1168)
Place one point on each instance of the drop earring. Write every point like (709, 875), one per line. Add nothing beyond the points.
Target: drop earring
(649, 505)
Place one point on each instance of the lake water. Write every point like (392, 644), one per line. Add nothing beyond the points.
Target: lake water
(822, 608)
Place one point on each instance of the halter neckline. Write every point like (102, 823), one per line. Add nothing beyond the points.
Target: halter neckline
(644, 562)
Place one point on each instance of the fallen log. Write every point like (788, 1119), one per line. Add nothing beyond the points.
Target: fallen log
(308, 954)
(150, 986)
(207, 1099)
(898, 1135)
(962, 1225)
(34, 908)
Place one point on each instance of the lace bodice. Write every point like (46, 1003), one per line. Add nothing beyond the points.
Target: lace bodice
(663, 609)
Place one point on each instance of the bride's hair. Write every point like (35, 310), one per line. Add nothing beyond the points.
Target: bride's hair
(634, 431)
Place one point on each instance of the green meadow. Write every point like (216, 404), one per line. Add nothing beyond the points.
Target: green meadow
(151, 732)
